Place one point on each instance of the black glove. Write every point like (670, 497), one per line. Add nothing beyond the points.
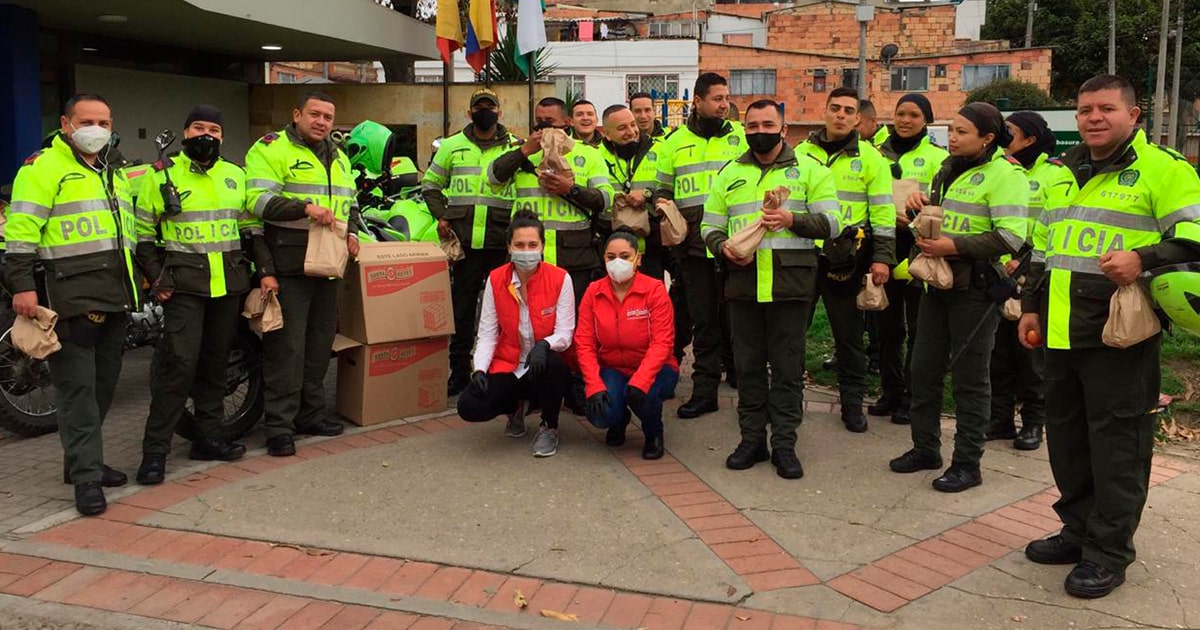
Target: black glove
(634, 397)
(537, 359)
(479, 383)
(598, 406)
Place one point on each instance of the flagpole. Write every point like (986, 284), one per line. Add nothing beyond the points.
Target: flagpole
(446, 70)
(531, 73)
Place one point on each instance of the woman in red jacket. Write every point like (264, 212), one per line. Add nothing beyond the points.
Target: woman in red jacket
(625, 339)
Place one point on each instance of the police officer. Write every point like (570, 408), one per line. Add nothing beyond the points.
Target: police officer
(1137, 207)
(770, 292)
(584, 123)
(869, 128)
(199, 275)
(294, 177)
(73, 215)
(465, 204)
(1016, 373)
(688, 159)
(632, 168)
(642, 106)
(914, 157)
(566, 206)
(985, 198)
(864, 185)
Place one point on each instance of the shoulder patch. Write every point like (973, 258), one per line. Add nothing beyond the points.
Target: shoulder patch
(1012, 160)
(1055, 161)
(32, 157)
(159, 165)
(269, 138)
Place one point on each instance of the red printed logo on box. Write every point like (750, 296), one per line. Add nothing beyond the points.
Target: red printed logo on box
(391, 358)
(391, 278)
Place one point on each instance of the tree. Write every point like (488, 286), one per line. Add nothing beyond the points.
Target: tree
(1012, 94)
(1077, 30)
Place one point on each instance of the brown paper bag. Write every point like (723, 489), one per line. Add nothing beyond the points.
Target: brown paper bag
(625, 215)
(1012, 309)
(263, 311)
(327, 254)
(745, 241)
(902, 189)
(36, 337)
(674, 226)
(928, 223)
(555, 144)
(452, 247)
(774, 199)
(933, 270)
(872, 297)
(1131, 318)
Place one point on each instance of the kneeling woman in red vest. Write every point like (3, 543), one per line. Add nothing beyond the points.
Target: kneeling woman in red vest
(625, 341)
(527, 320)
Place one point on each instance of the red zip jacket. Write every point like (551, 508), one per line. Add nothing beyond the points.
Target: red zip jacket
(635, 337)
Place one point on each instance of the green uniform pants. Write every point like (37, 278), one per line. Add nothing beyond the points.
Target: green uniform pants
(296, 357)
(1100, 434)
(85, 373)
(944, 325)
(190, 359)
(700, 282)
(1017, 376)
(467, 278)
(770, 334)
(847, 325)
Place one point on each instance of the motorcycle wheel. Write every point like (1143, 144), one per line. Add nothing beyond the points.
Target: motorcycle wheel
(27, 397)
(243, 392)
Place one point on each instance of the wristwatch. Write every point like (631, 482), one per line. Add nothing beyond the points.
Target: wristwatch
(575, 190)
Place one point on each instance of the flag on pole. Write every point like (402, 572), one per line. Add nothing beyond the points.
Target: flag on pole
(481, 33)
(449, 28)
(531, 31)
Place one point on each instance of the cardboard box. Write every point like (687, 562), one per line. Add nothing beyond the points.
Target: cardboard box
(396, 292)
(385, 381)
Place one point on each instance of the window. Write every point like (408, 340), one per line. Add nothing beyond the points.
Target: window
(818, 80)
(285, 77)
(850, 78)
(658, 85)
(675, 29)
(569, 87)
(979, 76)
(910, 79)
(744, 82)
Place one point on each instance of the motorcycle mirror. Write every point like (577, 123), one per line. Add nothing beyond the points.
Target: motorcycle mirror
(164, 139)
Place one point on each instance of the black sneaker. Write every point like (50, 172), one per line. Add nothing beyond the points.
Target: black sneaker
(281, 446)
(915, 460)
(1089, 580)
(854, 420)
(885, 406)
(697, 407)
(1053, 550)
(787, 465)
(901, 417)
(1002, 430)
(1029, 439)
(830, 363)
(109, 477)
(89, 498)
(153, 470)
(746, 455)
(958, 477)
(216, 450)
(324, 428)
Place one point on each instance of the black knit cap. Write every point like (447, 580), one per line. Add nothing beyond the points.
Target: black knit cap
(920, 101)
(206, 113)
(1034, 126)
(987, 119)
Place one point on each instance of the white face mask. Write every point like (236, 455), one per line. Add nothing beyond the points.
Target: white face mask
(526, 260)
(90, 139)
(620, 270)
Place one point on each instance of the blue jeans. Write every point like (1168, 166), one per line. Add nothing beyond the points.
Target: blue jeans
(650, 412)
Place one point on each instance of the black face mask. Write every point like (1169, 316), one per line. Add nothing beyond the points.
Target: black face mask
(484, 119)
(764, 142)
(627, 151)
(203, 149)
(545, 124)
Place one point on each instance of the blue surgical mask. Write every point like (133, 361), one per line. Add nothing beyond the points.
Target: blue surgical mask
(526, 260)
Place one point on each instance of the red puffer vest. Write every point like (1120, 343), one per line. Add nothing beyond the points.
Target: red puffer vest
(542, 291)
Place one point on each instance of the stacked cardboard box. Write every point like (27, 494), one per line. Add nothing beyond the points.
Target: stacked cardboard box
(394, 322)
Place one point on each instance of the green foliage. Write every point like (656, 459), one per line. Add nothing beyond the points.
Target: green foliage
(502, 65)
(1078, 31)
(1012, 94)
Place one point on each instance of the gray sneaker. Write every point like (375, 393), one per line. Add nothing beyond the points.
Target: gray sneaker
(516, 421)
(545, 443)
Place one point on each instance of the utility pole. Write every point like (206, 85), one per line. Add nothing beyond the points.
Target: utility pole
(1160, 78)
(865, 13)
(1112, 36)
(1173, 134)
(1029, 24)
